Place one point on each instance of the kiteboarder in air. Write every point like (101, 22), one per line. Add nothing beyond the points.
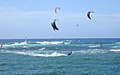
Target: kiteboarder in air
(54, 25)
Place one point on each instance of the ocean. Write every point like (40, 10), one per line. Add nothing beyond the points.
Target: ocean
(90, 56)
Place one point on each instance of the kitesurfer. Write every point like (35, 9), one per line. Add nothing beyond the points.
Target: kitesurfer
(70, 53)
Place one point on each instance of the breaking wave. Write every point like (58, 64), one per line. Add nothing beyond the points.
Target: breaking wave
(47, 42)
(92, 46)
(116, 47)
(117, 42)
(52, 43)
(16, 44)
(92, 51)
(35, 53)
(31, 45)
(115, 50)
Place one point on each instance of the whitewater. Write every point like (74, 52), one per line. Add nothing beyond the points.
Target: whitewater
(50, 56)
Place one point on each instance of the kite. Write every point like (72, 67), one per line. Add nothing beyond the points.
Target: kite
(54, 25)
(88, 14)
(56, 9)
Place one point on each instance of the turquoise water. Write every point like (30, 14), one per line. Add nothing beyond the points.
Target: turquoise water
(49, 57)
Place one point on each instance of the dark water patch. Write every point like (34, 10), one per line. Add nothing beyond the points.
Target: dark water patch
(3, 63)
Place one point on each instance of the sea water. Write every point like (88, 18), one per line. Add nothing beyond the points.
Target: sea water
(50, 56)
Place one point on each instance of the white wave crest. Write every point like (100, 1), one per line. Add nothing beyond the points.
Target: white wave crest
(92, 51)
(117, 42)
(115, 50)
(66, 43)
(42, 48)
(47, 42)
(21, 43)
(116, 47)
(92, 46)
(14, 44)
(31, 53)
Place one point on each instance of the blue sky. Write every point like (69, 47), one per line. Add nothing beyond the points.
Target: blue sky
(32, 19)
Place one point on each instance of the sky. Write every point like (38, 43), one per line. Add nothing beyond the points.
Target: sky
(32, 19)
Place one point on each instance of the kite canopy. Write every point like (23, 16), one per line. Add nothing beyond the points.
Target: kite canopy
(88, 14)
(56, 9)
(54, 25)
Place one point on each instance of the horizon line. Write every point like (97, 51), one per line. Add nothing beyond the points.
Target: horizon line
(67, 38)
